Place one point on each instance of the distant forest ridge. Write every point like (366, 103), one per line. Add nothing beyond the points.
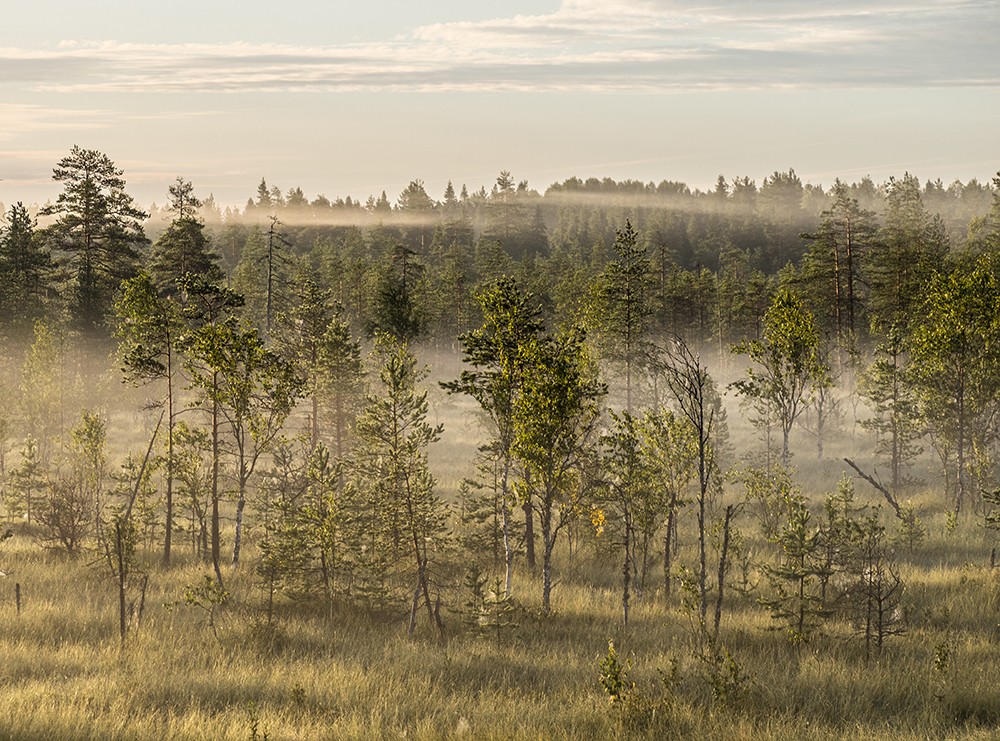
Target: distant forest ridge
(714, 257)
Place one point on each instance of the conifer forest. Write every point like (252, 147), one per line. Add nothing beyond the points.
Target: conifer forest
(615, 459)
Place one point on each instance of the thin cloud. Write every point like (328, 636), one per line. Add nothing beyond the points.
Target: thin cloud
(584, 45)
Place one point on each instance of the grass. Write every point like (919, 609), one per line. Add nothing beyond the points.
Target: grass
(317, 673)
(336, 671)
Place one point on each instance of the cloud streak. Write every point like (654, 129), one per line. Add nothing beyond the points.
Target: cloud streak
(584, 46)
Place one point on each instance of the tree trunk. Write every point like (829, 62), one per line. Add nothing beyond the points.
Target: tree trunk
(216, 540)
(668, 545)
(508, 551)
(723, 563)
(238, 538)
(626, 571)
(505, 513)
(529, 534)
(413, 609)
(168, 534)
(120, 558)
(548, 542)
(702, 546)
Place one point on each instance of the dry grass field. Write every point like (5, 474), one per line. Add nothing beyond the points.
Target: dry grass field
(320, 669)
(334, 671)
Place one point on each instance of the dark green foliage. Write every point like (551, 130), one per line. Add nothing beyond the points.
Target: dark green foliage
(623, 310)
(875, 591)
(832, 267)
(402, 520)
(65, 515)
(396, 310)
(496, 380)
(487, 525)
(911, 246)
(796, 580)
(555, 416)
(27, 481)
(26, 274)
(98, 233)
(185, 246)
(955, 358)
(316, 339)
(628, 482)
(888, 386)
(251, 387)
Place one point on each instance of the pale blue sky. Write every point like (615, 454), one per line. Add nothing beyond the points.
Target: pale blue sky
(353, 98)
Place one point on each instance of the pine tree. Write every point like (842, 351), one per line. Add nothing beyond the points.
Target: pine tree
(406, 518)
(623, 310)
(832, 266)
(911, 247)
(149, 325)
(495, 380)
(555, 417)
(26, 273)
(98, 230)
(184, 247)
(788, 365)
(797, 603)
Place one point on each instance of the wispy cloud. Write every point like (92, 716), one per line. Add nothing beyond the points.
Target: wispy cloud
(584, 45)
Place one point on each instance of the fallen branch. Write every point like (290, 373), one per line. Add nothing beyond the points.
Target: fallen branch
(878, 485)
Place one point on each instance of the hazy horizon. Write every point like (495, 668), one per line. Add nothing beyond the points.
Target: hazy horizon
(351, 102)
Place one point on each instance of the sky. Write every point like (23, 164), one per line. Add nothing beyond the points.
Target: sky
(350, 99)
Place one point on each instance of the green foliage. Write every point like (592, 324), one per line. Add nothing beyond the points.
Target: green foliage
(26, 273)
(209, 597)
(397, 310)
(146, 501)
(401, 519)
(772, 494)
(670, 452)
(726, 678)
(184, 248)
(888, 384)
(628, 488)
(911, 246)
(554, 419)
(623, 309)
(832, 267)
(614, 676)
(192, 472)
(27, 481)
(253, 389)
(72, 509)
(99, 230)
(315, 337)
(488, 529)
(42, 386)
(65, 516)
(911, 531)
(875, 591)
(955, 358)
(788, 365)
(147, 328)
(796, 603)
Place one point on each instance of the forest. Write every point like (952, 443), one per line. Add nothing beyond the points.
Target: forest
(615, 460)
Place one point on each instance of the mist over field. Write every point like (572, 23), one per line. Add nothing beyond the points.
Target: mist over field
(612, 459)
(570, 369)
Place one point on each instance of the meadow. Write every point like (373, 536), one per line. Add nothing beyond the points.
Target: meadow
(314, 669)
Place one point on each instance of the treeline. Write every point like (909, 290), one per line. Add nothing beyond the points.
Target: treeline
(583, 317)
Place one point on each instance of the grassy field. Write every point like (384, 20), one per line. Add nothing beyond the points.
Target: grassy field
(333, 671)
